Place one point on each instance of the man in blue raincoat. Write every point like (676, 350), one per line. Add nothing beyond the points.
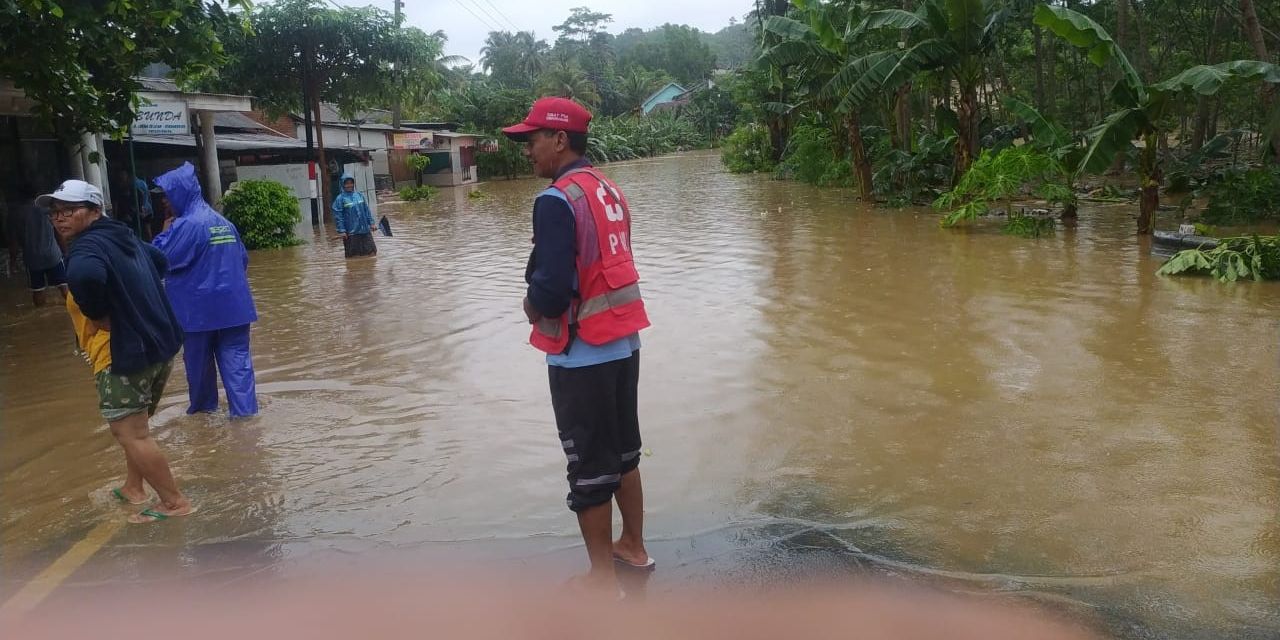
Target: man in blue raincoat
(208, 288)
(353, 221)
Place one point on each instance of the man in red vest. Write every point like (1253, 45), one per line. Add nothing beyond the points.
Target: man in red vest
(585, 307)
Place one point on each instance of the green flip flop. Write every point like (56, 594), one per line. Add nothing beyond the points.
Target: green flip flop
(156, 516)
(122, 498)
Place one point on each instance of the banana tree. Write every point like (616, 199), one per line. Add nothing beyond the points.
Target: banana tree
(815, 45)
(1142, 107)
(950, 37)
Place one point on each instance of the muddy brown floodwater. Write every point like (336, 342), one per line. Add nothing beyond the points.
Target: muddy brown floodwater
(823, 384)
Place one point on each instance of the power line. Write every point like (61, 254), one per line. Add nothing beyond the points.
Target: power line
(479, 6)
(504, 16)
(477, 17)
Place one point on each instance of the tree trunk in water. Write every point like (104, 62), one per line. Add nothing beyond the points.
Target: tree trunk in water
(1150, 204)
(1150, 176)
(1253, 33)
(861, 164)
(967, 138)
(323, 169)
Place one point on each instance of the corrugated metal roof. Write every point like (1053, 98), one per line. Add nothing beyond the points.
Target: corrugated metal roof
(237, 120)
(239, 142)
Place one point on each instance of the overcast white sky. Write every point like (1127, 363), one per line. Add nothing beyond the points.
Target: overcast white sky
(468, 22)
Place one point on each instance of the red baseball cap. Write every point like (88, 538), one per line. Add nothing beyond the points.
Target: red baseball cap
(561, 114)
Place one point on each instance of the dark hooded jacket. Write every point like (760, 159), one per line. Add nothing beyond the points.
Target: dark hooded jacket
(114, 275)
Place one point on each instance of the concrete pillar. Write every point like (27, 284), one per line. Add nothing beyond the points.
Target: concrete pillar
(212, 179)
(73, 161)
(103, 169)
(89, 148)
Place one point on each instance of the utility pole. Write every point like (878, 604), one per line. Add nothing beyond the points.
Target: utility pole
(306, 120)
(395, 109)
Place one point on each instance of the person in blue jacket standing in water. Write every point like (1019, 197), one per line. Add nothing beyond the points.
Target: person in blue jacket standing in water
(208, 287)
(353, 221)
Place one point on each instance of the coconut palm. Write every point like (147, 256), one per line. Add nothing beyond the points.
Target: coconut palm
(568, 80)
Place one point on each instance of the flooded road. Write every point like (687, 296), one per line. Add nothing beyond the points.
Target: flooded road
(822, 382)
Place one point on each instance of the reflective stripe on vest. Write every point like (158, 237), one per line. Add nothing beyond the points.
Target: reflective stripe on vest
(549, 327)
(608, 300)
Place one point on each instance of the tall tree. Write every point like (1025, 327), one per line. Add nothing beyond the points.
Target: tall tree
(343, 56)
(80, 62)
(568, 80)
(514, 59)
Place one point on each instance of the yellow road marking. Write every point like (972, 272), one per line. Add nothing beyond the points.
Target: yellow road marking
(34, 592)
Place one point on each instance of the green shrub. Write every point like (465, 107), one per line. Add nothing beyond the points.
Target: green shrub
(748, 149)
(997, 179)
(1243, 197)
(417, 162)
(414, 194)
(811, 157)
(265, 213)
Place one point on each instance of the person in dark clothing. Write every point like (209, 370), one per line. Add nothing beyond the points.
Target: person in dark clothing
(116, 290)
(31, 232)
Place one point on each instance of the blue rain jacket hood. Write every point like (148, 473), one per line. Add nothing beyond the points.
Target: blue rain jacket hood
(351, 211)
(208, 282)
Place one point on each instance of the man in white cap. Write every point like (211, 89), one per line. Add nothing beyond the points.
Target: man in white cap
(127, 329)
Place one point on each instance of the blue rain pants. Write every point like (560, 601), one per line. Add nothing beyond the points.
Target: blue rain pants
(229, 348)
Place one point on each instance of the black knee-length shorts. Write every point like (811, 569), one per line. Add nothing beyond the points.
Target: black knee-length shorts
(599, 427)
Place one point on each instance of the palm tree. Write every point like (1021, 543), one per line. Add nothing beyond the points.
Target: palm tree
(514, 59)
(815, 52)
(532, 55)
(638, 83)
(568, 80)
(951, 38)
(1142, 107)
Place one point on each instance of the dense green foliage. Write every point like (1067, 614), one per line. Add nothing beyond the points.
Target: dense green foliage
(1255, 257)
(506, 161)
(748, 150)
(265, 212)
(421, 192)
(349, 53)
(631, 137)
(1243, 197)
(812, 156)
(997, 179)
(890, 80)
(1028, 226)
(79, 61)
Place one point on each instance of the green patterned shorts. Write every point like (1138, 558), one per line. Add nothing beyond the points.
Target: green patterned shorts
(122, 396)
